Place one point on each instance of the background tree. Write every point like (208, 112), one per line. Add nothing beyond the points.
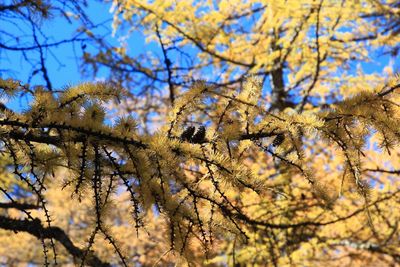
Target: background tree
(228, 170)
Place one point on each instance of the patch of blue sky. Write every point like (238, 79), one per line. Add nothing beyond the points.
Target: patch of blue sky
(61, 61)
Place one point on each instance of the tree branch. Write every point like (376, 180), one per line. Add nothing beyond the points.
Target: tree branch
(36, 229)
(168, 63)
(319, 60)
(19, 206)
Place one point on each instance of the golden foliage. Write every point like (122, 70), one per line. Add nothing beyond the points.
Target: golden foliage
(232, 173)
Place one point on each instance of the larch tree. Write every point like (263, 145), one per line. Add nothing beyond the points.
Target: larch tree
(252, 140)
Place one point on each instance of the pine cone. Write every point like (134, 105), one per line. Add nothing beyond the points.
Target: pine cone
(278, 139)
(187, 134)
(199, 136)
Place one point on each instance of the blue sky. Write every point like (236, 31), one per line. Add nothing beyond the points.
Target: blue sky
(63, 63)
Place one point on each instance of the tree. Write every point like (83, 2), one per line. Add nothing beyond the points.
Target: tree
(298, 175)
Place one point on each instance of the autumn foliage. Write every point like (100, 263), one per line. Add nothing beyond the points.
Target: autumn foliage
(255, 142)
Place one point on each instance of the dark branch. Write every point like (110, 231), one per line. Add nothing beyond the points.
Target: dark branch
(36, 228)
(19, 206)
(168, 64)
